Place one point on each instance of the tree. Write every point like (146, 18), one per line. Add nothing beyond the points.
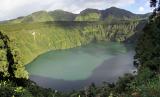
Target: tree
(156, 4)
(148, 46)
(153, 3)
(10, 60)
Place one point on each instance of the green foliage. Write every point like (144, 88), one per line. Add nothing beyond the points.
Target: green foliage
(89, 17)
(147, 53)
(42, 37)
(30, 89)
(60, 15)
(114, 13)
(150, 88)
(8, 89)
(1, 44)
(43, 16)
(3, 63)
(40, 16)
(10, 60)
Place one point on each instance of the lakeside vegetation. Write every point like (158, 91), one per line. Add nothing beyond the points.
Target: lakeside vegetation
(144, 84)
(14, 79)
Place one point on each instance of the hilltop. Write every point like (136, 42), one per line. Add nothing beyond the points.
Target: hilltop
(88, 14)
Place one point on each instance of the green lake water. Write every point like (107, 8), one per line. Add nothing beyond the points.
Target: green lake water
(77, 67)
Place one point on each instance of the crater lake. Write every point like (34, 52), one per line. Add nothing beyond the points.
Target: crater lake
(73, 69)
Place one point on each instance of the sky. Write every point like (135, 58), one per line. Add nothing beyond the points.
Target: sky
(10, 9)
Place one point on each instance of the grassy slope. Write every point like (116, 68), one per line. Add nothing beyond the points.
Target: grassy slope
(34, 39)
(40, 16)
(44, 16)
(89, 15)
(60, 15)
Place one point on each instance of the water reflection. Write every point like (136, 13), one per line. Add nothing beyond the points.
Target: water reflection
(109, 71)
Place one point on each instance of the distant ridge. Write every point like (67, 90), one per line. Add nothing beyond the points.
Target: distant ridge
(89, 14)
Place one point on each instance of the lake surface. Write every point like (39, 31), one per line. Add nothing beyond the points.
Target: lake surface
(76, 68)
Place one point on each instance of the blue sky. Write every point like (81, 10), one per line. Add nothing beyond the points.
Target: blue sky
(140, 6)
(10, 9)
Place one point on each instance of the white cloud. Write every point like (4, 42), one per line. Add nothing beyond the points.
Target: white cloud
(141, 9)
(77, 5)
(14, 8)
(144, 7)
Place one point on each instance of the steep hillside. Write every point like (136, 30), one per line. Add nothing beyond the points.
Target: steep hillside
(40, 16)
(109, 14)
(44, 16)
(120, 14)
(134, 38)
(60, 15)
(89, 15)
(34, 39)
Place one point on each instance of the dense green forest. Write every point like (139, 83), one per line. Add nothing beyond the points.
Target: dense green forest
(145, 84)
(33, 39)
(21, 43)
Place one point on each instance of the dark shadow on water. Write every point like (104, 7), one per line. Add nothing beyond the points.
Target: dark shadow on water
(57, 84)
(109, 71)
